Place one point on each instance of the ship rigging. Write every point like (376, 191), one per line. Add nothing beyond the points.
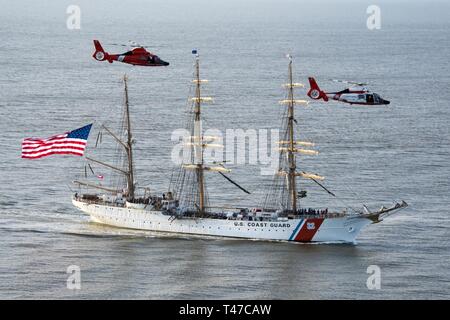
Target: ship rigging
(186, 209)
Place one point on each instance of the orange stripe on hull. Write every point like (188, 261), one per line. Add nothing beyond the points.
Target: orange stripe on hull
(309, 229)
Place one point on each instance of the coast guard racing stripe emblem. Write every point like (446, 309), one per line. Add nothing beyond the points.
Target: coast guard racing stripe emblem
(306, 229)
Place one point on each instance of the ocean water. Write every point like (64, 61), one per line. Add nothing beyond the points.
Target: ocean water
(49, 84)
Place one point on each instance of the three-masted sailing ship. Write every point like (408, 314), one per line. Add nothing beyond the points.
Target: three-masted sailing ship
(186, 209)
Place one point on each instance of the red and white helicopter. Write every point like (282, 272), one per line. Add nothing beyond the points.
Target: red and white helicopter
(137, 56)
(357, 93)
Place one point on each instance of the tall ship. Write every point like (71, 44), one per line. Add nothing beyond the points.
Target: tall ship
(185, 209)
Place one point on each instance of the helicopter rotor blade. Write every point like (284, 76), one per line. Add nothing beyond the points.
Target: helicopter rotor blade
(117, 44)
(349, 82)
(134, 44)
(131, 44)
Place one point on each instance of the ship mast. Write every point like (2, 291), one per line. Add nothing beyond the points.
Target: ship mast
(291, 156)
(290, 146)
(197, 134)
(129, 144)
(198, 142)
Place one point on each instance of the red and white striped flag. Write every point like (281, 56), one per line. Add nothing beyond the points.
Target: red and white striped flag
(73, 142)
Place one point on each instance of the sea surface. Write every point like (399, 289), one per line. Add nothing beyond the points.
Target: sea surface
(49, 84)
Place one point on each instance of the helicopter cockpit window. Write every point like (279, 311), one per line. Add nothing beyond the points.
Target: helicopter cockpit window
(376, 97)
(369, 98)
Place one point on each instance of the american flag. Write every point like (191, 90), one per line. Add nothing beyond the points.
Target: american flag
(73, 142)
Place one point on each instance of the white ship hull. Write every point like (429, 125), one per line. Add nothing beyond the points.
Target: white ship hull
(343, 229)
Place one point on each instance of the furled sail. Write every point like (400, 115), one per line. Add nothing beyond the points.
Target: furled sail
(294, 101)
(204, 138)
(205, 145)
(302, 174)
(300, 143)
(202, 99)
(206, 168)
(293, 85)
(307, 175)
(297, 150)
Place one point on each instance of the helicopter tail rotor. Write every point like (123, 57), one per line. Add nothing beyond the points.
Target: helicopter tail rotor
(100, 54)
(315, 92)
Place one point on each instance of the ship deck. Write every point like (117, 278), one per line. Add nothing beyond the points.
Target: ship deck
(221, 212)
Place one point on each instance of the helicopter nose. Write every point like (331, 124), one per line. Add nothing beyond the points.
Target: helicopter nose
(163, 63)
(386, 101)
